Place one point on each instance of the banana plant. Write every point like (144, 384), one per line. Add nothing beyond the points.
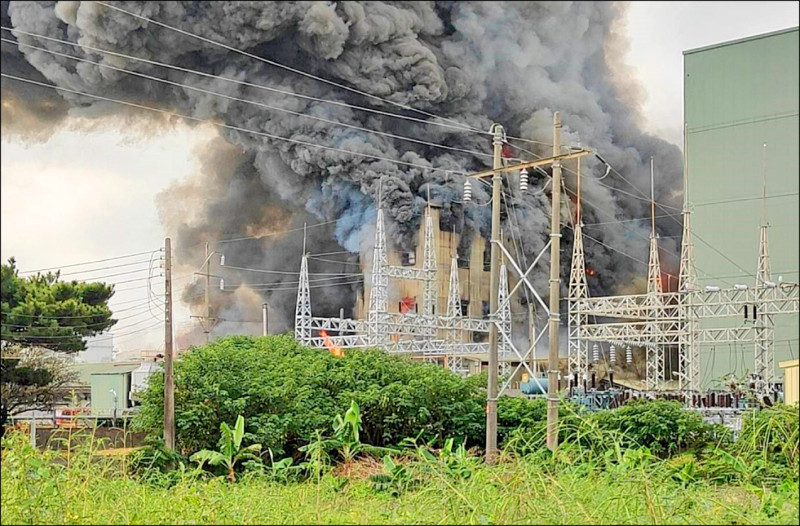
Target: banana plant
(346, 439)
(230, 449)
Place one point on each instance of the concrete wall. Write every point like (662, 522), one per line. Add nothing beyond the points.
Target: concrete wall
(737, 96)
(103, 400)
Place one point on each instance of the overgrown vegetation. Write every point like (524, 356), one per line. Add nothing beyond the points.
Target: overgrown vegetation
(42, 312)
(287, 392)
(580, 484)
(348, 441)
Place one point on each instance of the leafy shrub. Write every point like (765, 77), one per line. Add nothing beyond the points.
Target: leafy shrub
(286, 392)
(397, 479)
(157, 465)
(769, 438)
(663, 426)
(230, 449)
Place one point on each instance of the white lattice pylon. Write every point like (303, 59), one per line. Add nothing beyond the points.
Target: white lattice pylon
(688, 350)
(429, 268)
(654, 357)
(302, 312)
(577, 349)
(504, 319)
(453, 335)
(765, 326)
(379, 292)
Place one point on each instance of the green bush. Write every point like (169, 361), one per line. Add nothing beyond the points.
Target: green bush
(769, 438)
(286, 392)
(663, 426)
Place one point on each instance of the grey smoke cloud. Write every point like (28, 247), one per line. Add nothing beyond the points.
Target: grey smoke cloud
(475, 62)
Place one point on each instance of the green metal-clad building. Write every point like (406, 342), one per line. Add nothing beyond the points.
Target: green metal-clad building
(737, 96)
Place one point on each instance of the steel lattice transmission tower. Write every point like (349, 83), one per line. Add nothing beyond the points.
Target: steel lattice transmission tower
(577, 349)
(765, 325)
(504, 320)
(379, 292)
(453, 335)
(655, 288)
(688, 350)
(302, 312)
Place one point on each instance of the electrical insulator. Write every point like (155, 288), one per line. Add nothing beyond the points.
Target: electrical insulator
(222, 260)
(612, 354)
(467, 191)
(523, 180)
(595, 353)
(221, 284)
(629, 354)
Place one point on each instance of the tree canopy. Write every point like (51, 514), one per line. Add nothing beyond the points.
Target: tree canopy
(40, 310)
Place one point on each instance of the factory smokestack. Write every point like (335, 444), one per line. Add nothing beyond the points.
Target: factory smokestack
(474, 62)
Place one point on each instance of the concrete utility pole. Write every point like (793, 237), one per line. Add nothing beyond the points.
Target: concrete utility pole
(265, 318)
(169, 383)
(555, 281)
(491, 399)
(207, 324)
(532, 334)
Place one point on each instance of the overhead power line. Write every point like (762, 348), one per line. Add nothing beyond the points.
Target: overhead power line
(113, 311)
(86, 262)
(294, 70)
(228, 126)
(98, 324)
(247, 101)
(24, 336)
(299, 229)
(244, 83)
(103, 268)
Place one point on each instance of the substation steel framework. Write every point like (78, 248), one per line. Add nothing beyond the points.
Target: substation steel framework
(657, 319)
(381, 326)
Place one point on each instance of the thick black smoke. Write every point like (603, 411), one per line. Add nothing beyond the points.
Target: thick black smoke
(474, 62)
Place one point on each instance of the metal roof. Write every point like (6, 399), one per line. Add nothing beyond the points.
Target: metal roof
(86, 370)
(740, 40)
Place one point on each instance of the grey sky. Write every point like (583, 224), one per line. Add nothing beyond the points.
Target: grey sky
(659, 32)
(80, 197)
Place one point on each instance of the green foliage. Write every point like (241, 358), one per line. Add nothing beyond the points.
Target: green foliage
(156, 464)
(458, 462)
(230, 449)
(287, 392)
(624, 486)
(397, 479)
(40, 310)
(32, 380)
(769, 438)
(663, 426)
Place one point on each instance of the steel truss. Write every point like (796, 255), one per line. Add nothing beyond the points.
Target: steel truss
(382, 328)
(656, 319)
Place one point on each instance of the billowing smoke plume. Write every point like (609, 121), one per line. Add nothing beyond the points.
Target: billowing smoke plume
(509, 62)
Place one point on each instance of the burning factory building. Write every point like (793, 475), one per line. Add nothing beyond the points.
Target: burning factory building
(321, 106)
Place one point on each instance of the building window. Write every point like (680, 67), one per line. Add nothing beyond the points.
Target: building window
(485, 309)
(408, 259)
(407, 304)
(479, 337)
(487, 257)
(465, 307)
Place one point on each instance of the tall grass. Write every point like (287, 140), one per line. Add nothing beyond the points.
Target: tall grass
(585, 484)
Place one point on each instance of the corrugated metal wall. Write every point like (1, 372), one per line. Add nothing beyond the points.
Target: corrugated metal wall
(791, 381)
(738, 96)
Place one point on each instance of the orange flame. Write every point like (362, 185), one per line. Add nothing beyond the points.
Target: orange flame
(336, 351)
